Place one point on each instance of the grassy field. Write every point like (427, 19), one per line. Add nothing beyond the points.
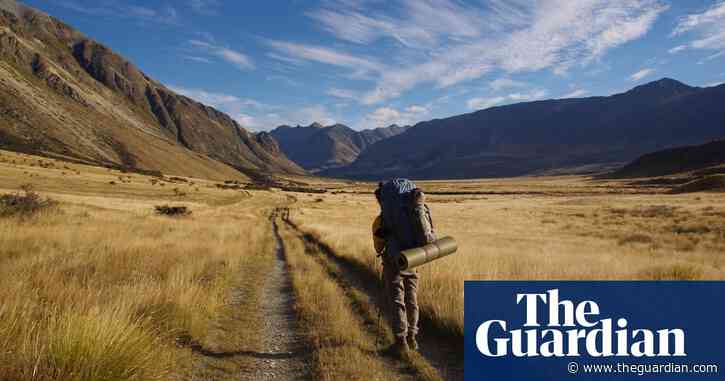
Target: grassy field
(98, 286)
(538, 228)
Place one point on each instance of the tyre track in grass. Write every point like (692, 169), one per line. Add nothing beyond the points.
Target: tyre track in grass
(357, 343)
(438, 351)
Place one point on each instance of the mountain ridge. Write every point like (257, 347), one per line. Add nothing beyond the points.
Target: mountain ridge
(96, 106)
(523, 138)
(316, 147)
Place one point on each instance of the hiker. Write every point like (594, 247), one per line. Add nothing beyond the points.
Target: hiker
(404, 223)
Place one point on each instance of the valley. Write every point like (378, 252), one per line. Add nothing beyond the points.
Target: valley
(188, 307)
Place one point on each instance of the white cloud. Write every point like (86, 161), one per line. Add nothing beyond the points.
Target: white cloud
(386, 116)
(677, 49)
(427, 23)
(708, 26)
(258, 116)
(197, 59)
(239, 60)
(205, 7)
(484, 103)
(553, 34)
(342, 93)
(505, 83)
(641, 74)
(576, 93)
(324, 55)
(165, 15)
(712, 84)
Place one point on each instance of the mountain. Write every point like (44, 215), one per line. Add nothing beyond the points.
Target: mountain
(317, 148)
(66, 95)
(675, 160)
(532, 137)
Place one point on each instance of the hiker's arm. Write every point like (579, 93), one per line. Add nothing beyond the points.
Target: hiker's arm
(422, 226)
(378, 236)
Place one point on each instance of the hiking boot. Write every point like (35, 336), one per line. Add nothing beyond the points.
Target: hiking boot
(400, 348)
(412, 343)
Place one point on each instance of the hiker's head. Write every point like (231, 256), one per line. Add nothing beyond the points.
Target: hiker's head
(417, 196)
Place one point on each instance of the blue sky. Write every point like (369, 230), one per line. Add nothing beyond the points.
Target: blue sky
(371, 63)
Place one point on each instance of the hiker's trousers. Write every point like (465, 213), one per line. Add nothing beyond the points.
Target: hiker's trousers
(401, 291)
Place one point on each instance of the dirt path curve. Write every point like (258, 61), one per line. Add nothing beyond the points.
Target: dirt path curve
(282, 341)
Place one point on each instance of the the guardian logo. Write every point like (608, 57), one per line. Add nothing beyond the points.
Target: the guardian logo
(573, 330)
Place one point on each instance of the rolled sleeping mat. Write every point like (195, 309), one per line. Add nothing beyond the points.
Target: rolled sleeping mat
(415, 257)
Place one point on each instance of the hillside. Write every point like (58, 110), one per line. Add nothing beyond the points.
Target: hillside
(316, 147)
(675, 160)
(524, 138)
(63, 94)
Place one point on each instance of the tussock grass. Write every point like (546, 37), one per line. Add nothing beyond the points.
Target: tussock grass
(600, 232)
(104, 292)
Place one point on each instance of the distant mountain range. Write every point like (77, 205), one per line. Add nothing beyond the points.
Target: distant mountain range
(318, 148)
(64, 94)
(533, 137)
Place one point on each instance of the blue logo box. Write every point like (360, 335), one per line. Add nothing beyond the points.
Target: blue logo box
(585, 330)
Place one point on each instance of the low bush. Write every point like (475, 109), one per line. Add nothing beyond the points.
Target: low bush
(174, 211)
(24, 203)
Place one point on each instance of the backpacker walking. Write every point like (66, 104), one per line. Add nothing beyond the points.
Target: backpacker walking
(404, 223)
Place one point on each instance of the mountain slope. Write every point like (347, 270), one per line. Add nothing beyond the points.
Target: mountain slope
(317, 148)
(675, 160)
(64, 94)
(522, 138)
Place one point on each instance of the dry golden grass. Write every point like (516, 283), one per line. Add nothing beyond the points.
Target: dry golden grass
(340, 321)
(538, 228)
(101, 288)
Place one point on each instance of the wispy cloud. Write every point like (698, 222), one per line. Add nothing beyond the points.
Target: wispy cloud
(255, 115)
(486, 102)
(428, 22)
(164, 15)
(238, 59)
(386, 116)
(576, 94)
(342, 93)
(708, 26)
(218, 100)
(453, 43)
(505, 83)
(197, 59)
(205, 7)
(297, 52)
(712, 84)
(641, 74)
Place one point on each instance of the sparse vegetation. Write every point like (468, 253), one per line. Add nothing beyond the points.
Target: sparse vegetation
(173, 211)
(24, 203)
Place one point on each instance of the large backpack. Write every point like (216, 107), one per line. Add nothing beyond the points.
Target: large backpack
(395, 202)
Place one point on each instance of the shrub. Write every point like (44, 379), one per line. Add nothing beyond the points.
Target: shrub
(174, 211)
(24, 203)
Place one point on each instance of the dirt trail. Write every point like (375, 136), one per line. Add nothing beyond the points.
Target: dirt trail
(446, 357)
(279, 354)
(282, 341)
